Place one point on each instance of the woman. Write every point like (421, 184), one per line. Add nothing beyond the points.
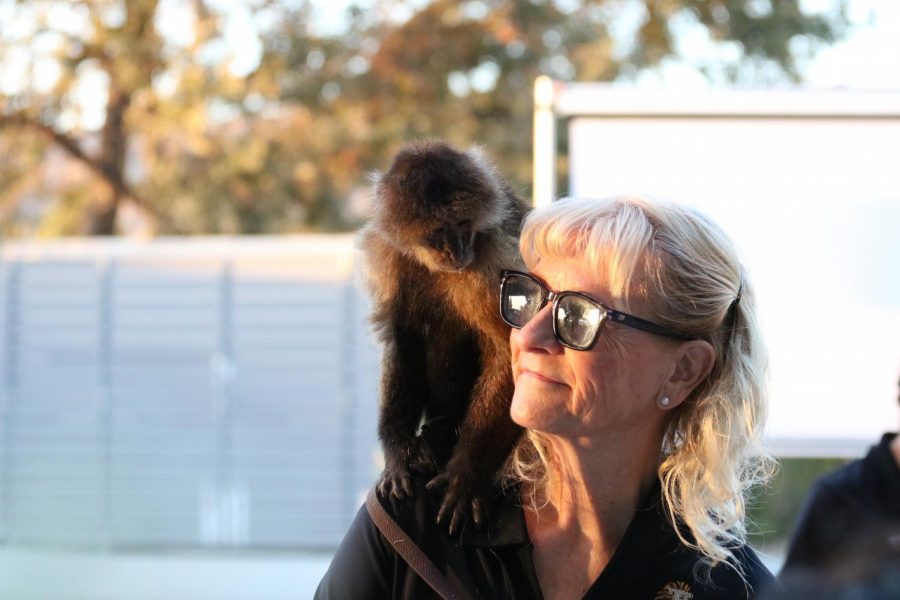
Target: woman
(638, 368)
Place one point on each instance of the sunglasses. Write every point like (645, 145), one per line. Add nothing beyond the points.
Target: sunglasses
(577, 318)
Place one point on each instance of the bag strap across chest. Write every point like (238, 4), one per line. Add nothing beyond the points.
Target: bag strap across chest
(409, 551)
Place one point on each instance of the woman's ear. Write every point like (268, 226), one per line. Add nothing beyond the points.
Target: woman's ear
(693, 362)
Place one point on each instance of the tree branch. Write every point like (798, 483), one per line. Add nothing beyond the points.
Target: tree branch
(72, 147)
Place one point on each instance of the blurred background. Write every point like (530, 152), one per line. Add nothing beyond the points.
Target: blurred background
(187, 380)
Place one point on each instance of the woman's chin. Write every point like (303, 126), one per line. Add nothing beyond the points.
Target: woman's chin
(532, 409)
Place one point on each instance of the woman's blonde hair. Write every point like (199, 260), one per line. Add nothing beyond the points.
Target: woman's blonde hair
(685, 273)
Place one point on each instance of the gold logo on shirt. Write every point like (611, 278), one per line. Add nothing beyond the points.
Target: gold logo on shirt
(675, 590)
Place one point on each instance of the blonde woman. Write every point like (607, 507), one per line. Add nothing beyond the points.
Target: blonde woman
(638, 370)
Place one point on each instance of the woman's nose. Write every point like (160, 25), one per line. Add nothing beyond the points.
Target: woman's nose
(537, 334)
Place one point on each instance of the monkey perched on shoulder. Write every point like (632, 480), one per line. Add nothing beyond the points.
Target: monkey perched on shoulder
(444, 226)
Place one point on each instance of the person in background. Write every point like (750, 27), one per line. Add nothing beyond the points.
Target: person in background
(639, 370)
(847, 537)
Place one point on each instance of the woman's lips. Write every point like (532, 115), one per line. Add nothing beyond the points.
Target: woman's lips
(539, 376)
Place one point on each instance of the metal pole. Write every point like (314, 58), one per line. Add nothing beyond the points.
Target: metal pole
(226, 491)
(544, 167)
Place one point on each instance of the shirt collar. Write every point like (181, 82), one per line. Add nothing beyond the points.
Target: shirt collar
(507, 519)
(506, 526)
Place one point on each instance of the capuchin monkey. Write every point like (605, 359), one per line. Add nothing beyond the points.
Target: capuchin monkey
(444, 226)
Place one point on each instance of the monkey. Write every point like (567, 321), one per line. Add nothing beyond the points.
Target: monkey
(444, 225)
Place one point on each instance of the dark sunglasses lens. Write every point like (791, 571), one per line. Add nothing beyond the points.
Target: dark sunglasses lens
(521, 300)
(577, 320)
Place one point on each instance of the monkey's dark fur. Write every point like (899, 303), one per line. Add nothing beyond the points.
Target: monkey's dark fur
(444, 226)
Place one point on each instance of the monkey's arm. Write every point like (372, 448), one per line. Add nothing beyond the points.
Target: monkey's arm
(487, 434)
(404, 392)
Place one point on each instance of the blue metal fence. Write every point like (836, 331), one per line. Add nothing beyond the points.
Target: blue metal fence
(191, 392)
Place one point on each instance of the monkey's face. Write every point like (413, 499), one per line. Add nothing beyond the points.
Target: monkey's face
(433, 202)
(448, 247)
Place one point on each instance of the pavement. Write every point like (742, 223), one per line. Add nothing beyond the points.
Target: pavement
(48, 574)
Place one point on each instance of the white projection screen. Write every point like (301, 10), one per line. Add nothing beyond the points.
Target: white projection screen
(812, 199)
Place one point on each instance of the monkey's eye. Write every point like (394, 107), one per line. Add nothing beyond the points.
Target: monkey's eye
(464, 225)
(436, 237)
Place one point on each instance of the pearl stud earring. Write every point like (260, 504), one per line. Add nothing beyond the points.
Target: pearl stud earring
(664, 401)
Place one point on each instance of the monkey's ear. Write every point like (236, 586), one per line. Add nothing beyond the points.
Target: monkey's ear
(483, 162)
(478, 154)
(373, 178)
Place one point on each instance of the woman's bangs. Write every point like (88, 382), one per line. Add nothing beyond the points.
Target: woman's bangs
(611, 236)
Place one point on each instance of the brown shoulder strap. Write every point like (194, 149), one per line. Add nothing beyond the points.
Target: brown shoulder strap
(408, 550)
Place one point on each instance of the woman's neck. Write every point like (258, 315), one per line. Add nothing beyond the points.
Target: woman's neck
(592, 496)
(598, 488)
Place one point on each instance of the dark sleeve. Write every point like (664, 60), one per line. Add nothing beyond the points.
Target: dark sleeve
(809, 542)
(362, 567)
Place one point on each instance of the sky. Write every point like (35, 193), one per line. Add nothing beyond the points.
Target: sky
(870, 57)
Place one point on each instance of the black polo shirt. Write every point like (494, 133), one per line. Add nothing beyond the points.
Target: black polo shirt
(496, 562)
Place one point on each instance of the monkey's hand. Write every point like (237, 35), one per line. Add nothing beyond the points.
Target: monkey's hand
(460, 499)
(396, 480)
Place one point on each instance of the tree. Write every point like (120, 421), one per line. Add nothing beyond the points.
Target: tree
(159, 98)
(464, 70)
(281, 143)
(124, 47)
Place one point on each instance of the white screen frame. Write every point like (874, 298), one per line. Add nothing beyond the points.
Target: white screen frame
(808, 185)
